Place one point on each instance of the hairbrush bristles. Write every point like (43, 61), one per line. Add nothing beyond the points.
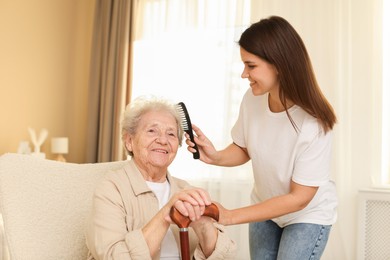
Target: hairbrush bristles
(187, 126)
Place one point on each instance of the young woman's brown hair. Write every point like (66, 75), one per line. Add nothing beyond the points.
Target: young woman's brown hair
(277, 42)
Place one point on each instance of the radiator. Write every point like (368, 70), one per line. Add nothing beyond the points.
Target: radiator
(373, 225)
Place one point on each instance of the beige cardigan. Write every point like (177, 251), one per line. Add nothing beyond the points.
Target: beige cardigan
(122, 205)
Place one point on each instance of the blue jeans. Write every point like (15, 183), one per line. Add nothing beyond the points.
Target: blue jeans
(268, 241)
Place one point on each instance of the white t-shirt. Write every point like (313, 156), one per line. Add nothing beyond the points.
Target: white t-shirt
(280, 154)
(169, 250)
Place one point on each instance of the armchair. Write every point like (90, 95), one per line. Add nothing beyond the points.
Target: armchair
(44, 205)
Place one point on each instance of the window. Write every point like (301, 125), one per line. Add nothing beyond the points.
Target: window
(188, 52)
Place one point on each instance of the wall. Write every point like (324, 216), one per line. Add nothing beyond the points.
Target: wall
(44, 65)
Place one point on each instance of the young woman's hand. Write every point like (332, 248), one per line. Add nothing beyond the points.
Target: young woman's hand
(207, 151)
(232, 155)
(224, 214)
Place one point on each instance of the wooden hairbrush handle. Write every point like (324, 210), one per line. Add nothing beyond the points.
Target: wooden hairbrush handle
(183, 222)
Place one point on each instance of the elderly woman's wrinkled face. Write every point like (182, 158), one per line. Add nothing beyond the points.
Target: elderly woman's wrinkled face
(156, 142)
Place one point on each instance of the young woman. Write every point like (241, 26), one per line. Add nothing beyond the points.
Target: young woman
(285, 128)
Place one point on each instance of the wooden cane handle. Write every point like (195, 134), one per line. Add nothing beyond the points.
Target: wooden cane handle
(183, 222)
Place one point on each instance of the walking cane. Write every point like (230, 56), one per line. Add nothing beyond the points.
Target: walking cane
(183, 222)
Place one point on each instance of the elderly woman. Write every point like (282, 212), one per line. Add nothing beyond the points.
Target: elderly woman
(130, 216)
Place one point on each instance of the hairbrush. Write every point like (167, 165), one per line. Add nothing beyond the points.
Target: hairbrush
(187, 126)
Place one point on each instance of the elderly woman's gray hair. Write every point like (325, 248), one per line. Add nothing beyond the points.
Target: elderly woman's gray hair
(140, 106)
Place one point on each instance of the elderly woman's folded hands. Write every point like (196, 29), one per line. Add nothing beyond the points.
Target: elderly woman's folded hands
(190, 202)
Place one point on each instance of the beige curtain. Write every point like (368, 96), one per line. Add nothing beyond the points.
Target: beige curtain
(109, 86)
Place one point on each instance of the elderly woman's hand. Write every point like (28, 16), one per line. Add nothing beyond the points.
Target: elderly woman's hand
(207, 234)
(191, 202)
